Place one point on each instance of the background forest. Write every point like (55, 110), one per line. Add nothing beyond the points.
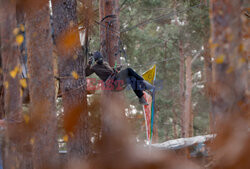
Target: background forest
(51, 119)
(158, 32)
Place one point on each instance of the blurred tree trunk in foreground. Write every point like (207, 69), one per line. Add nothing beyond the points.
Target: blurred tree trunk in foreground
(11, 75)
(110, 30)
(230, 101)
(1, 82)
(227, 49)
(208, 79)
(10, 61)
(246, 38)
(42, 87)
(72, 77)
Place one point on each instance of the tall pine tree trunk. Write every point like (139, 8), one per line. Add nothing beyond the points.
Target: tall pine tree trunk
(102, 27)
(110, 30)
(181, 83)
(42, 87)
(188, 102)
(11, 75)
(72, 77)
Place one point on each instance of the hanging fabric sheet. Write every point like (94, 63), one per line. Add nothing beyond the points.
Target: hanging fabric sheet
(150, 98)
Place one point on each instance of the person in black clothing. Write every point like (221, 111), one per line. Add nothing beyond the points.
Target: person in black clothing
(127, 76)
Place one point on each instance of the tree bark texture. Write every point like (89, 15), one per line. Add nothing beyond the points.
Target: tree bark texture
(70, 59)
(227, 49)
(42, 87)
(10, 59)
(110, 30)
(11, 75)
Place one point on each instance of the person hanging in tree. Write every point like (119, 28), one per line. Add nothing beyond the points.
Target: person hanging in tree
(111, 76)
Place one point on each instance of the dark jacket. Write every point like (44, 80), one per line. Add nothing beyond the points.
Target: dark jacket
(103, 71)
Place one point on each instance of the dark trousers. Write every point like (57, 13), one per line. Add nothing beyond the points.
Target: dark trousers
(129, 76)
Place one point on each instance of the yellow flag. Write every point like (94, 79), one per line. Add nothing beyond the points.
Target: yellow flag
(149, 75)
